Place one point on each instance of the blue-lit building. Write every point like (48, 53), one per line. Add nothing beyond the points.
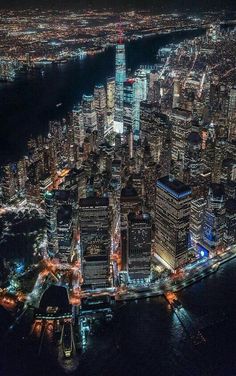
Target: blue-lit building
(172, 219)
(120, 77)
(130, 108)
(214, 218)
(89, 113)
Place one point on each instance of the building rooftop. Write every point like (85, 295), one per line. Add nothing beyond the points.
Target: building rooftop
(60, 194)
(231, 205)
(93, 201)
(129, 192)
(139, 217)
(194, 138)
(173, 186)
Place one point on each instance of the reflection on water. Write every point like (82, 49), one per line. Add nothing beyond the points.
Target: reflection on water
(27, 105)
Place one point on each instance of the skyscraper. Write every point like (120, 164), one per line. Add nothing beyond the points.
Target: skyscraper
(129, 202)
(173, 199)
(89, 113)
(95, 241)
(139, 246)
(59, 220)
(120, 77)
(196, 220)
(101, 110)
(181, 121)
(214, 218)
(78, 125)
(232, 103)
(129, 107)
(110, 103)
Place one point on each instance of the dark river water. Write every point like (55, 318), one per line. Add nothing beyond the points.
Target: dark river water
(146, 338)
(27, 105)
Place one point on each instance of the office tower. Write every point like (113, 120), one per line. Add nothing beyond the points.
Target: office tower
(181, 122)
(214, 219)
(8, 183)
(192, 160)
(139, 246)
(58, 207)
(232, 130)
(136, 180)
(131, 143)
(228, 170)
(153, 94)
(196, 221)
(100, 102)
(120, 76)
(230, 219)
(232, 103)
(21, 174)
(129, 203)
(95, 241)
(172, 219)
(78, 125)
(89, 113)
(64, 233)
(117, 142)
(45, 184)
(219, 156)
(130, 108)
(110, 102)
(147, 119)
(141, 85)
(75, 182)
(176, 94)
(155, 129)
(150, 177)
(230, 189)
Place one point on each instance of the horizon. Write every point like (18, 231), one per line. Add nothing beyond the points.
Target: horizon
(120, 5)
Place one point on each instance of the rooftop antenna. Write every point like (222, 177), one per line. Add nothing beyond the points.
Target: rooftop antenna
(120, 33)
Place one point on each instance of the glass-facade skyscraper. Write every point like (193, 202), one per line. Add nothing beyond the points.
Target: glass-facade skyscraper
(120, 77)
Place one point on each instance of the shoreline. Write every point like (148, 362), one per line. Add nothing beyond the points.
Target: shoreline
(206, 272)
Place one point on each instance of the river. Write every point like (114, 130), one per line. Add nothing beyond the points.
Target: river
(146, 338)
(27, 105)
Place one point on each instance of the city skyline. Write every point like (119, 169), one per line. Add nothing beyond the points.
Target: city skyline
(118, 208)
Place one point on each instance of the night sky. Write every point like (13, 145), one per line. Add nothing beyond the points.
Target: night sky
(167, 5)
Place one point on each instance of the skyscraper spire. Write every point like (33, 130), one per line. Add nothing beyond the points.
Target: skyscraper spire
(120, 33)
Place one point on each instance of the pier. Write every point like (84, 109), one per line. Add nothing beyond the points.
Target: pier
(185, 319)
